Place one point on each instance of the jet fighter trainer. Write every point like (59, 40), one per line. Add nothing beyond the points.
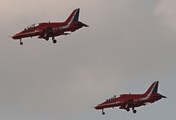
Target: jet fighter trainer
(127, 101)
(46, 30)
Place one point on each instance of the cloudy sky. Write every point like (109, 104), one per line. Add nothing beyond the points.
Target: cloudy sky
(129, 45)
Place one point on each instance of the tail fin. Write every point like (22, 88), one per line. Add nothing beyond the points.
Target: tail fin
(153, 88)
(74, 16)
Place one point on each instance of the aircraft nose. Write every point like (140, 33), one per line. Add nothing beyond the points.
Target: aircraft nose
(97, 107)
(14, 36)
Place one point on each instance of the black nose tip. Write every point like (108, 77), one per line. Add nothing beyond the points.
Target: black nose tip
(13, 37)
(96, 107)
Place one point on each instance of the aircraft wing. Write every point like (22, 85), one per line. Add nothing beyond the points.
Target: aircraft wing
(132, 103)
(49, 32)
(126, 103)
(46, 33)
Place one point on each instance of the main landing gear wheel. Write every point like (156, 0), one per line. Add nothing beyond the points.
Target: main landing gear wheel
(46, 39)
(128, 109)
(134, 111)
(54, 41)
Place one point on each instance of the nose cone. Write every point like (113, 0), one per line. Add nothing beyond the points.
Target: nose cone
(18, 35)
(98, 107)
(15, 36)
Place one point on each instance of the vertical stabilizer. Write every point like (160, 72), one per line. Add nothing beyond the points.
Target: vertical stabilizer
(152, 89)
(74, 16)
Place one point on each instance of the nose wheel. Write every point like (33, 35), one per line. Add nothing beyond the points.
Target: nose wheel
(21, 43)
(103, 113)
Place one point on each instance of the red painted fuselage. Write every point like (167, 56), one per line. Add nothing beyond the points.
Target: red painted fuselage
(46, 30)
(127, 101)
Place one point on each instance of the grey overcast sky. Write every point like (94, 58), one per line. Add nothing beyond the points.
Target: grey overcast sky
(129, 45)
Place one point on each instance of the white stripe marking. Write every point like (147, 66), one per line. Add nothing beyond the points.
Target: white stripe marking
(36, 31)
(68, 25)
(145, 98)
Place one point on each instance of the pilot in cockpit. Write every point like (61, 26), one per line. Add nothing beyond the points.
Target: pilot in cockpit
(111, 98)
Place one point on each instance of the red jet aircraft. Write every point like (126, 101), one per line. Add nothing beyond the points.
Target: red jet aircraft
(127, 101)
(51, 29)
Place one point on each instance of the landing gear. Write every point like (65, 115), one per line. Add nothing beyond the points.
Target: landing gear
(128, 109)
(21, 43)
(103, 113)
(134, 111)
(54, 41)
(47, 38)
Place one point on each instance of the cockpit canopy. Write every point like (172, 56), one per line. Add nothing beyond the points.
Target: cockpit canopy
(32, 26)
(125, 95)
(112, 98)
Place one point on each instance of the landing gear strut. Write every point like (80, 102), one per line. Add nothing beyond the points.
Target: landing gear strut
(103, 113)
(21, 43)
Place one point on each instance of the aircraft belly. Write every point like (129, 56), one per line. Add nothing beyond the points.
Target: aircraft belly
(108, 105)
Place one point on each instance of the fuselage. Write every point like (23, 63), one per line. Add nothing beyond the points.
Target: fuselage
(133, 100)
(57, 27)
(46, 30)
